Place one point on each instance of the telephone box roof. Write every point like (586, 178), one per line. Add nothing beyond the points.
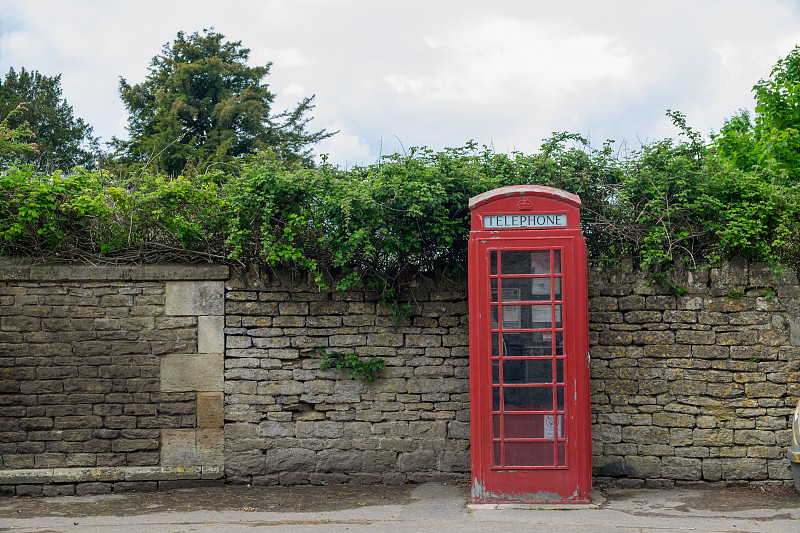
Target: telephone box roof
(524, 190)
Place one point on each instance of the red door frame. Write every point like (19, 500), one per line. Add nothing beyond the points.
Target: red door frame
(568, 479)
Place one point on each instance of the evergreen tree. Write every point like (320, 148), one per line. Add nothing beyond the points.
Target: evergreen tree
(63, 140)
(202, 105)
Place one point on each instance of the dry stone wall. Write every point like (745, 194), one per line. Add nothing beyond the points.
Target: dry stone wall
(96, 385)
(136, 378)
(696, 379)
(289, 422)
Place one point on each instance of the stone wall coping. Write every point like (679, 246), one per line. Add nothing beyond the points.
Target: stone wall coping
(36, 476)
(22, 269)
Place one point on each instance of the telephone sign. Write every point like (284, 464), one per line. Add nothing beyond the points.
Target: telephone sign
(529, 346)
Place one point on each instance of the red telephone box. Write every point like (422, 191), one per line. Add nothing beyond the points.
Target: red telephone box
(529, 348)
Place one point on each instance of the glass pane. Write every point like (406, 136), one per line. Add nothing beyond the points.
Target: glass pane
(511, 317)
(494, 317)
(540, 262)
(557, 261)
(558, 316)
(527, 344)
(495, 372)
(529, 454)
(540, 316)
(540, 289)
(517, 262)
(528, 371)
(553, 426)
(494, 290)
(528, 426)
(528, 398)
(559, 343)
(493, 263)
(495, 344)
(526, 289)
(559, 398)
(495, 399)
(496, 427)
(559, 371)
(497, 457)
(558, 295)
(562, 453)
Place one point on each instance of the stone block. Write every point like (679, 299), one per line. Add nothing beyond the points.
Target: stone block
(458, 430)
(673, 420)
(744, 469)
(272, 429)
(680, 317)
(339, 461)
(385, 339)
(293, 308)
(631, 303)
(210, 447)
(427, 430)
(194, 298)
(58, 490)
(210, 410)
(190, 447)
(85, 489)
(289, 460)
(616, 338)
(752, 437)
(603, 303)
(765, 390)
(642, 317)
(794, 331)
(680, 437)
(643, 467)
(653, 337)
(645, 434)
(662, 303)
(26, 476)
(192, 372)
(695, 337)
(418, 461)
(135, 486)
(210, 337)
(667, 350)
(737, 338)
(612, 466)
(682, 468)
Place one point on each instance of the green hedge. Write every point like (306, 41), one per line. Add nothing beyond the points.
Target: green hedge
(673, 200)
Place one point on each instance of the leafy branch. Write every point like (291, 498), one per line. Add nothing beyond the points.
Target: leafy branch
(359, 367)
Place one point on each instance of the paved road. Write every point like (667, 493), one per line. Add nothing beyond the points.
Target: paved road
(431, 507)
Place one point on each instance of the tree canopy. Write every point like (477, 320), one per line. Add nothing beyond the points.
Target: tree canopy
(64, 141)
(677, 200)
(201, 105)
(771, 138)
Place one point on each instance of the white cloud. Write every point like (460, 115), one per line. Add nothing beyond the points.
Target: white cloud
(294, 90)
(500, 60)
(346, 147)
(280, 58)
(432, 73)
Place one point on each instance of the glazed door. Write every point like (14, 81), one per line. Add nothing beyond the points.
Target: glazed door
(531, 360)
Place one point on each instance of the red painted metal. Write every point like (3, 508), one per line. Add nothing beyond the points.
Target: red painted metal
(529, 348)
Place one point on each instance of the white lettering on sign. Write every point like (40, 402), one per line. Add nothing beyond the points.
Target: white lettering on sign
(551, 220)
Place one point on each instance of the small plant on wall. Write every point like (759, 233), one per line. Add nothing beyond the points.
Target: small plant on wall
(365, 368)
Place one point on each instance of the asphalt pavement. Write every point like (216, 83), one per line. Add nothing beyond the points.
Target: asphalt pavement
(430, 507)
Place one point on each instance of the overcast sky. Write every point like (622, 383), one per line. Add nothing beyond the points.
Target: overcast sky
(436, 73)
